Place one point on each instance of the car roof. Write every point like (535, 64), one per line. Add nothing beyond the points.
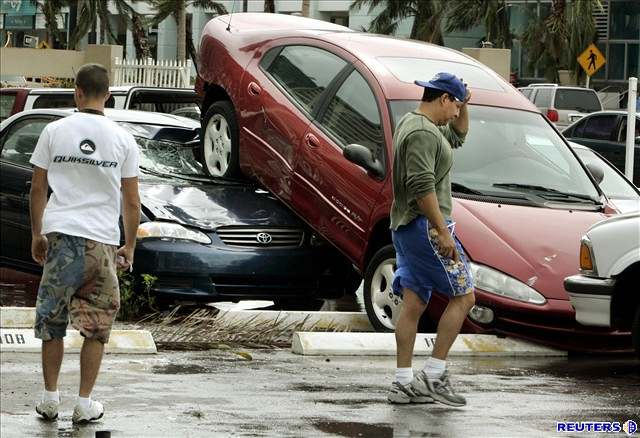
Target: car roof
(371, 48)
(118, 115)
(252, 29)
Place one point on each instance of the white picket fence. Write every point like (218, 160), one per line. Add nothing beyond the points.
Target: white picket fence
(152, 73)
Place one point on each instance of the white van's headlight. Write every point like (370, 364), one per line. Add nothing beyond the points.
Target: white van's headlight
(497, 283)
(169, 230)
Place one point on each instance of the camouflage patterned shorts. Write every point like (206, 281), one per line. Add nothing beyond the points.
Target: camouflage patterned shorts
(80, 279)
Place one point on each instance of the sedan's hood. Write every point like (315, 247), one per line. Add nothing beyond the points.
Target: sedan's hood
(209, 205)
(538, 246)
(626, 205)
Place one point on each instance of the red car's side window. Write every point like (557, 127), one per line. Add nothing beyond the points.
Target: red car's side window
(305, 72)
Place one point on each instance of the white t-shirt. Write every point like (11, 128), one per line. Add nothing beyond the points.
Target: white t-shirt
(85, 156)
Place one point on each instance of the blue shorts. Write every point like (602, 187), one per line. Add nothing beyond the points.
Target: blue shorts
(421, 268)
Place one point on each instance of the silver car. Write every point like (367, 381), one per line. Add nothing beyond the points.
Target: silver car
(562, 104)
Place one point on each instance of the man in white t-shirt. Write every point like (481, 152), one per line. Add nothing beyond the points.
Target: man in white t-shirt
(90, 163)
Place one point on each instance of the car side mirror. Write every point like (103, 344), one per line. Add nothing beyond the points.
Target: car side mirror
(363, 157)
(596, 171)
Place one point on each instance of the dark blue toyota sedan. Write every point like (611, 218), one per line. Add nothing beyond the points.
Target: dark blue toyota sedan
(204, 238)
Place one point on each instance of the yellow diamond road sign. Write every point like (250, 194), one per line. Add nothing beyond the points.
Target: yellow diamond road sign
(591, 59)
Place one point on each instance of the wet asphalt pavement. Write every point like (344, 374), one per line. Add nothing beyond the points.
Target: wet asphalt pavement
(218, 393)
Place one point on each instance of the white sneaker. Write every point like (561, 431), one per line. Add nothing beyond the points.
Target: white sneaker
(48, 409)
(81, 415)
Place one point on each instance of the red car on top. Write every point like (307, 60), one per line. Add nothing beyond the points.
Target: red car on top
(308, 109)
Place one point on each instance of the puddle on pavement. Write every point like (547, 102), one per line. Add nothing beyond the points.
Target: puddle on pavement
(180, 369)
(353, 429)
(306, 387)
(354, 403)
(597, 367)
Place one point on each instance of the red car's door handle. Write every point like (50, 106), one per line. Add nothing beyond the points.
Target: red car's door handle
(311, 141)
(254, 89)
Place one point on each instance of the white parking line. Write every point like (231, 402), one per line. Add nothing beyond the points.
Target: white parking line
(348, 321)
(17, 317)
(121, 341)
(384, 344)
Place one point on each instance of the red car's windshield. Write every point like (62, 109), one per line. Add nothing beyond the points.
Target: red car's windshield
(511, 147)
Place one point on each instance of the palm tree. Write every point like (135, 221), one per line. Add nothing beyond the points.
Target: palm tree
(427, 14)
(88, 11)
(465, 14)
(555, 42)
(177, 9)
(582, 31)
(51, 9)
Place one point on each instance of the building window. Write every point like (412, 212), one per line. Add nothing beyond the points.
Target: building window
(625, 20)
(616, 61)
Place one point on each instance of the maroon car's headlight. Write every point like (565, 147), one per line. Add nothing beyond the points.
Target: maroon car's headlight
(498, 283)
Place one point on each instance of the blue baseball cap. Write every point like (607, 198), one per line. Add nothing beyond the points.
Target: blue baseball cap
(448, 83)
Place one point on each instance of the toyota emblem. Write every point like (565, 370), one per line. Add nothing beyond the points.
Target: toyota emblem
(264, 238)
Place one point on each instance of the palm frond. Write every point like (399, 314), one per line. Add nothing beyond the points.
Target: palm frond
(210, 5)
(360, 4)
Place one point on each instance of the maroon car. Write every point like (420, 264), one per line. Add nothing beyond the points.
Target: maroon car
(308, 109)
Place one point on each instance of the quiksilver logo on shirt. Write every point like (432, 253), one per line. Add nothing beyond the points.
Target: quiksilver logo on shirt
(87, 147)
(83, 160)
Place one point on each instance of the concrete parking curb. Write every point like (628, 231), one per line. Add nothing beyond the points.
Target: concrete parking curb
(383, 344)
(121, 341)
(17, 317)
(354, 321)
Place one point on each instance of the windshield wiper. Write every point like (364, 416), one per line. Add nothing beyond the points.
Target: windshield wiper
(459, 188)
(536, 188)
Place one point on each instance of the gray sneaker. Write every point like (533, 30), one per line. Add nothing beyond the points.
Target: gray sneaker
(48, 409)
(404, 394)
(81, 415)
(438, 389)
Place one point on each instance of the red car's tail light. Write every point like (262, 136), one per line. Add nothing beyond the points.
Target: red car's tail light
(553, 115)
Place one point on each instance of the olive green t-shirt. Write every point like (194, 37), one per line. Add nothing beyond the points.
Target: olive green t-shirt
(422, 160)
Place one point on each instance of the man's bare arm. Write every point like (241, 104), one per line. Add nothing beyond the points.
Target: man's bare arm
(130, 216)
(461, 123)
(429, 206)
(37, 204)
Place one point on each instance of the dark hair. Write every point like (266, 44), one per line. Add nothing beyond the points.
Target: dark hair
(93, 80)
(431, 94)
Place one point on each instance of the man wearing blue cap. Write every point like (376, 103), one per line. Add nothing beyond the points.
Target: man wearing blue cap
(428, 255)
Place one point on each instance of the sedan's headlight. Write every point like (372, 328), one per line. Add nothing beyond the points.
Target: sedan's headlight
(497, 283)
(170, 230)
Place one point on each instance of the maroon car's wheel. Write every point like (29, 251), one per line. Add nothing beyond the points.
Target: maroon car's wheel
(219, 140)
(383, 307)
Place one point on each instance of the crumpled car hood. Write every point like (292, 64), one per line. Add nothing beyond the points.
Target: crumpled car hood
(208, 205)
(538, 246)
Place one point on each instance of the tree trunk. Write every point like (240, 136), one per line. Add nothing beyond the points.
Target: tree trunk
(191, 48)
(104, 36)
(181, 18)
(139, 38)
(72, 24)
(270, 6)
(306, 8)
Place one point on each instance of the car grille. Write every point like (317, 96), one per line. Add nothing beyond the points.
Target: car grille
(261, 237)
